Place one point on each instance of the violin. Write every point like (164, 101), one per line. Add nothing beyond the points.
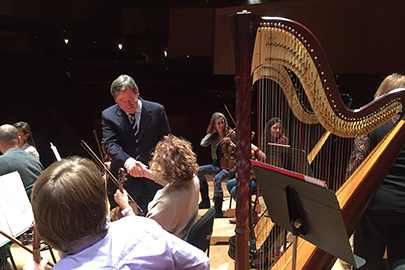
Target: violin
(117, 211)
(104, 167)
(105, 158)
(228, 160)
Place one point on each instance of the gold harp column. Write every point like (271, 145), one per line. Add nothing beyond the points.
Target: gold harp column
(243, 27)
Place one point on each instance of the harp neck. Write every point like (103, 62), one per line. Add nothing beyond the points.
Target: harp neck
(284, 47)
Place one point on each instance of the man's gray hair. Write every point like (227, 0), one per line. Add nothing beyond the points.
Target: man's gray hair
(121, 83)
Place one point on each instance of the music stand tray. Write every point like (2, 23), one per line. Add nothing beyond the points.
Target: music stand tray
(288, 158)
(288, 194)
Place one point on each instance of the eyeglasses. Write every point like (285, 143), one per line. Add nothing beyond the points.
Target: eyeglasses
(167, 138)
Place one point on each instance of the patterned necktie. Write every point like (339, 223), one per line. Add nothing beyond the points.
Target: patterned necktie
(133, 123)
(135, 129)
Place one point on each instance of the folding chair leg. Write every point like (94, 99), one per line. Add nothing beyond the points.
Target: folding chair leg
(12, 261)
(53, 256)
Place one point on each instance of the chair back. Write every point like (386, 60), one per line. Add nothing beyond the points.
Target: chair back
(200, 233)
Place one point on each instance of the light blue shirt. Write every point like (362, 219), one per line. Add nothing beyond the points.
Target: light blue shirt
(136, 243)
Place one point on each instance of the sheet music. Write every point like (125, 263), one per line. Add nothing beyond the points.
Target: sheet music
(5, 228)
(14, 203)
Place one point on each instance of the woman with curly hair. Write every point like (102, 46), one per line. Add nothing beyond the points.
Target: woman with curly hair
(175, 206)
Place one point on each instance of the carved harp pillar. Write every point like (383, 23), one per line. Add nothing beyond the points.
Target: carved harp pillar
(243, 31)
(293, 82)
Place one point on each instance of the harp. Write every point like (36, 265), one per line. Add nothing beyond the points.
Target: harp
(286, 60)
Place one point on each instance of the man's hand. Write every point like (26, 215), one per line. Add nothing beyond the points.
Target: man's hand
(137, 169)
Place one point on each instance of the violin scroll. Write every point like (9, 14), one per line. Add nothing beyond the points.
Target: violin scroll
(117, 211)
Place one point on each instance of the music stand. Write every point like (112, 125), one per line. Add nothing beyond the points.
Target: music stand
(302, 205)
(288, 158)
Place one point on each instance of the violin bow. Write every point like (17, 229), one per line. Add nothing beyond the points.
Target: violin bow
(98, 145)
(101, 164)
(230, 115)
(226, 136)
(37, 254)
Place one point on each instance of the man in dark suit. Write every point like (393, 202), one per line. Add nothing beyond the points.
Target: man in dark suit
(131, 129)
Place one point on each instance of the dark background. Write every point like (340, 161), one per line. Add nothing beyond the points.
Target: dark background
(60, 89)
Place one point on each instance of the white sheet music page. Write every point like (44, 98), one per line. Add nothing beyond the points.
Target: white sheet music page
(14, 204)
(4, 227)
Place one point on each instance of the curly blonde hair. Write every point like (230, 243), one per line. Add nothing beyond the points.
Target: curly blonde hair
(174, 160)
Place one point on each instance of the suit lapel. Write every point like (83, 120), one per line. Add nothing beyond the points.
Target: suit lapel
(145, 119)
(122, 119)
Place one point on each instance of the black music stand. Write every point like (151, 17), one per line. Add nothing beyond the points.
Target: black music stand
(289, 158)
(296, 203)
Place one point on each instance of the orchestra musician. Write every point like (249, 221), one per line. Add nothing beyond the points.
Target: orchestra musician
(13, 159)
(69, 206)
(16, 159)
(27, 140)
(174, 166)
(383, 224)
(274, 134)
(219, 136)
(131, 129)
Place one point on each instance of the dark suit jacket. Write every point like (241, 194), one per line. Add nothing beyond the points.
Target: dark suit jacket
(120, 144)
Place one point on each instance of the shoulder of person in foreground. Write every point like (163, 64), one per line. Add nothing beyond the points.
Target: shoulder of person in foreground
(137, 243)
(155, 242)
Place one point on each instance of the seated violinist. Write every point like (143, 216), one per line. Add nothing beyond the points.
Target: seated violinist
(174, 207)
(220, 137)
(231, 184)
(69, 206)
(273, 133)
